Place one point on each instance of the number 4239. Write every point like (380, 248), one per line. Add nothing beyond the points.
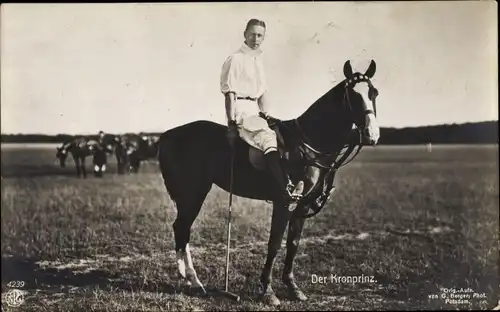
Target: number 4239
(16, 284)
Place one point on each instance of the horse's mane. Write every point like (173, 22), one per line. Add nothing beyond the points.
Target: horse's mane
(331, 96)
(317, 129)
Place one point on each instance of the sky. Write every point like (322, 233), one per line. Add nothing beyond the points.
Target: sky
(125, 67)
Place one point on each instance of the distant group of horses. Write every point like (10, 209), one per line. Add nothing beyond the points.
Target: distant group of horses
(130, 150)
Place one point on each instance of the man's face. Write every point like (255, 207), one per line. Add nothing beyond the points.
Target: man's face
(254, 36)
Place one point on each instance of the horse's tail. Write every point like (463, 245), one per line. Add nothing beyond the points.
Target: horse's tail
(167, 147)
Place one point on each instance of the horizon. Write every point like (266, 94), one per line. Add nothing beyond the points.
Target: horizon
(118, 64)
(156, 132)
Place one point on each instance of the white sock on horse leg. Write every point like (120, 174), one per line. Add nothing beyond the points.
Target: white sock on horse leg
(181, 263)
(190, 271)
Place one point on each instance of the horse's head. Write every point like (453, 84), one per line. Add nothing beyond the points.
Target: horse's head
(327, 125)
(62, 154)
(360, 98)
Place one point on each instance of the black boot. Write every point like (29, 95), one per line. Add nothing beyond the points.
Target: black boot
(284, 185)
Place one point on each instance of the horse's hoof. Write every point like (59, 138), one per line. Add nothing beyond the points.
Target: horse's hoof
(199, 291)
(297, 294)
(193, 279)
(270, 299)
(196, 286)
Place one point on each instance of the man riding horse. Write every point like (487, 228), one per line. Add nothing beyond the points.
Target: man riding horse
(244, 87)
(319, 142)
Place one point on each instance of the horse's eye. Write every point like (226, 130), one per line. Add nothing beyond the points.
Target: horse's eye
(373, 93)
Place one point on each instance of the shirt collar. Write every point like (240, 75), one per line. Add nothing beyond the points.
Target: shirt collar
(247, 50)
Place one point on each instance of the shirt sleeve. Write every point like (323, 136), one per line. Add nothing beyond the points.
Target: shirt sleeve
(228, 76)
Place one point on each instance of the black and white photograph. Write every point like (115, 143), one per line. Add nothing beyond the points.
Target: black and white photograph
(250, 156)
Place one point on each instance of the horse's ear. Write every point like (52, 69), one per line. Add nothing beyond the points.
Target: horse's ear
(347, 69)
(371, 69)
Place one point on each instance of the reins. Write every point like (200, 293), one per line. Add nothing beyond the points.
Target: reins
(328, 178)
(327, 161)
(336, 164)
(314, 158)
(306, 147)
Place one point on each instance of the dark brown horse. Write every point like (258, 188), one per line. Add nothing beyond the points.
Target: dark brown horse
(114, 144)
(121, 146)
(138, 149)
(80, 149)
(197, 155)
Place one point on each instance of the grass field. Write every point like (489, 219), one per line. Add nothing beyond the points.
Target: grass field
(107, 244)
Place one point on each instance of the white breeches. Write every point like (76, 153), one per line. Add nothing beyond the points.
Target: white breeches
(253, 129)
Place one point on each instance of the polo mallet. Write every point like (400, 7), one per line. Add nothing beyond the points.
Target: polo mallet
(226, 293)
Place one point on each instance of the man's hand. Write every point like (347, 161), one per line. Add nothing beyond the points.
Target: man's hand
(232, 133)
(271, 121)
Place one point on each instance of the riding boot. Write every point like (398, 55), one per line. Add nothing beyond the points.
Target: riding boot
(284, 185)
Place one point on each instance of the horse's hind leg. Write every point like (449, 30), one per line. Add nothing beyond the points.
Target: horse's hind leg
(182, 233)
(187, 211)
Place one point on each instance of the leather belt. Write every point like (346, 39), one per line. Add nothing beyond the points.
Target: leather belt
(246, 98)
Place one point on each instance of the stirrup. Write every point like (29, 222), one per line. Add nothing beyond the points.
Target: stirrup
(295, 190)
(294, 194)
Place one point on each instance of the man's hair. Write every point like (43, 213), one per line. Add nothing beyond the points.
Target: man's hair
(255, 22)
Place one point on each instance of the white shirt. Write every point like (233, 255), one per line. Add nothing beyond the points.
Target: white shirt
(243, 73)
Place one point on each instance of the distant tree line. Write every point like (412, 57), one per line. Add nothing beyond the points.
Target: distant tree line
(59, 138)
(468, 133)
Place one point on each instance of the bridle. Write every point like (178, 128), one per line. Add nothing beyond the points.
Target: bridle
(332, 161)
(372, 93)
(316, 157)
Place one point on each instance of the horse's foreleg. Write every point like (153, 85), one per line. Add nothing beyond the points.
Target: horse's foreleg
(84, 171)
(77, 165)
(294, 234)
(124, 161)
(119, 164)
(279, 221)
